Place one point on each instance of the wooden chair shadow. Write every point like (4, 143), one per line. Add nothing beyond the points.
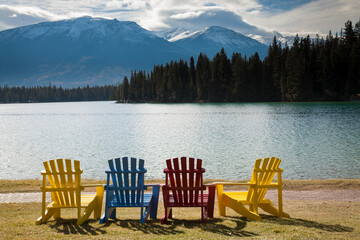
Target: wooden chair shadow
(69, 226)
(153, 227)
(307, 223)
(215, 226)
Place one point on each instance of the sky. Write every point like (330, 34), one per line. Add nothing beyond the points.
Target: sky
(288, 17)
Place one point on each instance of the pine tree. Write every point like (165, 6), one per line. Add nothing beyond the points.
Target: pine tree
(203, 73)
(192, 95)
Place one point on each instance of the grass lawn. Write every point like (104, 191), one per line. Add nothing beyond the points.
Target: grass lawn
(311, 219)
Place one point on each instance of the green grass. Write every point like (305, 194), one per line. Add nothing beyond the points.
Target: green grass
(309, 220)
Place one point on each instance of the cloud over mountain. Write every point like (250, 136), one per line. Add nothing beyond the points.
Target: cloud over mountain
(284, 16)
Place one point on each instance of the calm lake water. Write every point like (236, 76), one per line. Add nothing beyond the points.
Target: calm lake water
(313, 140)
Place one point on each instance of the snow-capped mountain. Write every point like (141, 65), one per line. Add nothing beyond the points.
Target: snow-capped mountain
(212, 39)
(259, 35)
(75, 28)
(169, 34)
(80, 51)
(98, 51)
(268, 38)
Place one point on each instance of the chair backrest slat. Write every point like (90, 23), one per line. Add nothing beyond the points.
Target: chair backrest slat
(133, 179)
(191, 179)
(185, 183)
(54, 195)
(198, 180)
(64, 181)
(114, 178)
(69, 171)
(170, 174)
(254, 179)
(263, 176)
(57, 181)
(126, 179)
(274, 165)
(128, 183)
(184, 179)
(120, 182)
(178, 179)
(140, 180)
(77, 181)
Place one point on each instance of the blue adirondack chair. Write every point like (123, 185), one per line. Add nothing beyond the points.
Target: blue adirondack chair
(125, 188)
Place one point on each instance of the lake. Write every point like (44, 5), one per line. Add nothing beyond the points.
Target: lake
(313, 140)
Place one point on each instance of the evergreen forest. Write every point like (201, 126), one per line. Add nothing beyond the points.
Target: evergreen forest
(55, 94)
(317, 69)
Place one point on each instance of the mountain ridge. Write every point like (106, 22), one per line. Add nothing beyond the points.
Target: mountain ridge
(98, 51)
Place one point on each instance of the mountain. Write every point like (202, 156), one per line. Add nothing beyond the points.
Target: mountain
(171, 33)
(80, 51)
(212, 39)
(97, 51)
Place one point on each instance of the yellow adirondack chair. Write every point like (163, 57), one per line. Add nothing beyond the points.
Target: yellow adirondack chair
(261, 181)
(65, 187)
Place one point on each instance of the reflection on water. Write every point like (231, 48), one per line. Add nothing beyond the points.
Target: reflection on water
(314, 140)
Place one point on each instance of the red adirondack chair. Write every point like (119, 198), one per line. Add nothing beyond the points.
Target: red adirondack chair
(184, 188)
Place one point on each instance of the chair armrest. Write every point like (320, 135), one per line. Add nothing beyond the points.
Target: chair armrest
(99, 189)
(210, 185)
(152, 185)
(239, 184)
(92, 185)
(155, 187)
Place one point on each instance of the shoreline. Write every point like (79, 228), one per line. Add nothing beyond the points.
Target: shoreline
(33, 185)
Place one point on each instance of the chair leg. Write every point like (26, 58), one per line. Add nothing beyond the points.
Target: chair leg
(146, 214)
(155, 202)
(221, 205)
(103, 218)
(273, 210)
(241, 209)
(170, 216)
(57, 213)
(112, 213)
(86, 213)
(211, 202)
(167, 214)
(109, 213)
(48, 214)
(203, 214)
(99, 201)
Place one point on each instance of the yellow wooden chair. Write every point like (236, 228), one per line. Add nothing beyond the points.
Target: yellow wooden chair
(261, 181)
(65, 187)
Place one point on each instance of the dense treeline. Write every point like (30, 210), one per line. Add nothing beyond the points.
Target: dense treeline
(310, 70)
(55, 94)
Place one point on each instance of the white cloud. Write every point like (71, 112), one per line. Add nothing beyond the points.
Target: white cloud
(11, 17)
(187, 15)
(127, 4)
(30, 11)
(316, 16)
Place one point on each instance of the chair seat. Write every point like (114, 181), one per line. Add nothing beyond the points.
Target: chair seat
(62, 178)
(242, 197)
(115, 203)
(125, 188)
(262, 179)
(172, 203)
(184, 188)
(85, 201)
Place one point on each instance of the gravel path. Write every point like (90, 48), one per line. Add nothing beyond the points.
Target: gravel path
(321, 195)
